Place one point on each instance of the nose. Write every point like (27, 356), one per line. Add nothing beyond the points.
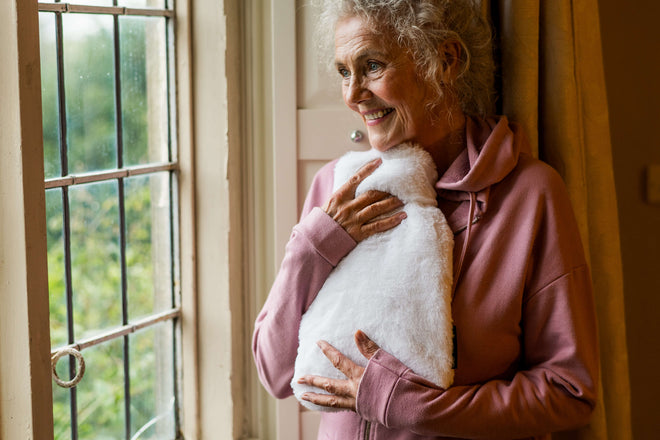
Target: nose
(356, 91)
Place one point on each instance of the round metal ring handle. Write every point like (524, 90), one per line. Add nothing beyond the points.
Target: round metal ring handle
(80, 370)
(357, 136)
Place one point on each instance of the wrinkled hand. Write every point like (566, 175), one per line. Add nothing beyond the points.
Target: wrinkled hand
(343, 392)
(356, 214)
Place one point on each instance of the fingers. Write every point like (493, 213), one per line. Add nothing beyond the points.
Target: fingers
(350, 369)
(337, 387)
(361, 174)
(372, 204)
(367, 214)
(341, 392)
(346, 192)
(381, 225)
(366, 346)
(330, 400)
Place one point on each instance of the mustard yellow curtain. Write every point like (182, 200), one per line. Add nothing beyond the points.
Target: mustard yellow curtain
(552, 82)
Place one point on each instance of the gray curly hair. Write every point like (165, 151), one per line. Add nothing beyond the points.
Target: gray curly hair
(422, 27)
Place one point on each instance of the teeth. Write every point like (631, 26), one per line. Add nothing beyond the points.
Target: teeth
(377, 115)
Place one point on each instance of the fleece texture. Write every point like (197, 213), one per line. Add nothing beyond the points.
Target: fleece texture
(395, 286)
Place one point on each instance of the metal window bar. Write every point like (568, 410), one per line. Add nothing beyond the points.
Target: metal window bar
(122, 223)
(124, 330)
(100, 176)
(66, 229)
(120, 174)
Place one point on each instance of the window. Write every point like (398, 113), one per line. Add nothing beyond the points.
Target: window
(110, 165)
(205, 172)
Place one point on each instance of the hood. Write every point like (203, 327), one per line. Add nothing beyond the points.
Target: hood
(493, 147)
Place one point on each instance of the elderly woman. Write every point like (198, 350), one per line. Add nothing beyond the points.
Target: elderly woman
(420, 71)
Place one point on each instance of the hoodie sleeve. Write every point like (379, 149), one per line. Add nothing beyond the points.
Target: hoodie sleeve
(555, 386)
(556, 392)
(315, 247)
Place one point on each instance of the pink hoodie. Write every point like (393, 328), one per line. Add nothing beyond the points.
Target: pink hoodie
(527, 361)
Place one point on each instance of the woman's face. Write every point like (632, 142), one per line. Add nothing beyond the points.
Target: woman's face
(380, 82)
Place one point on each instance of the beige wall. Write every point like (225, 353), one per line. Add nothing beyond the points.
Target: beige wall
(631, 39)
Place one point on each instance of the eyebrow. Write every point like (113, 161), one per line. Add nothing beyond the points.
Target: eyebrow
(362, 55)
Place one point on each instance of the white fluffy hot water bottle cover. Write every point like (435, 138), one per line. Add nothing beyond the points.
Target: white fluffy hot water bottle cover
(395, 286)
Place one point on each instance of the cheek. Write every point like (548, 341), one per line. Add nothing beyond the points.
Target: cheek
(404, 118)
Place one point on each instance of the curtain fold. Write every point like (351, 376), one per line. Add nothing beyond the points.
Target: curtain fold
(552, 82)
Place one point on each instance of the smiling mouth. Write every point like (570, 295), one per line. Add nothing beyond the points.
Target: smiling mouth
(379, 114)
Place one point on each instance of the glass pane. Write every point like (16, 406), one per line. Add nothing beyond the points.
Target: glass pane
(89, 2)
(144, 89)
(148, 248)
(158, 4)
(96, 271)
(152, 384)
(56, 271)
(62, 402)
(49, 110)
(89, 81)
(101, 393)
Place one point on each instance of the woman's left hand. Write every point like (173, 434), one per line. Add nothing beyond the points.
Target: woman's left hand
(343, 392)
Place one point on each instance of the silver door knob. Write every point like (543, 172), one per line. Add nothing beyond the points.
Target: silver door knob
(357, 136)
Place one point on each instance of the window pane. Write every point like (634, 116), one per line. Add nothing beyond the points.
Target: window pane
(56, 280)
(49, 95)
(144, 89)
(57, 305)
(101, 393)
(89, 81)
(95, 264)
(62, 403)
(152, 384)
(148, 249)
(159, 4)
(89, 2)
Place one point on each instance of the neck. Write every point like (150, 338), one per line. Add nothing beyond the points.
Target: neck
(451, 143)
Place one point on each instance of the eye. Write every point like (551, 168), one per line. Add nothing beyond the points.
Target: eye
(344, 72)
(373, 66)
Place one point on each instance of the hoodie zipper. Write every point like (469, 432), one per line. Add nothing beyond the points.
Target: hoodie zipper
(367, 428)
(463, 228)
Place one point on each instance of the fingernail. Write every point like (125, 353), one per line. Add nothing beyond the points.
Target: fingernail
(305, 396)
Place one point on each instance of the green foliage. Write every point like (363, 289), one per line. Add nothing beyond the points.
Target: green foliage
(96, 271)
(89, 90)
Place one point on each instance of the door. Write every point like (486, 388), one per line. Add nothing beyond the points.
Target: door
(308, 108)
(326, 129)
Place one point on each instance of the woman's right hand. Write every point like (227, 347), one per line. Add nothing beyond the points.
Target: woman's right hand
(357, 214)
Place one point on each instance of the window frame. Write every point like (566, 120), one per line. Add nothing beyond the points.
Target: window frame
(214, 352)
(119, 173)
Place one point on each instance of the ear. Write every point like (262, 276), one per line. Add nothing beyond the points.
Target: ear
(451, 52)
